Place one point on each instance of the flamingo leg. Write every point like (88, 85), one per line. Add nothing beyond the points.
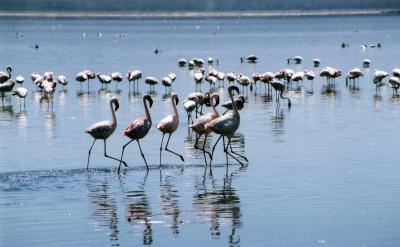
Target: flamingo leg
(197, 140)
(166, 149)
(244, 157)
(204, 145)
(215, 145)
(110, 157)
(161, 146)
(122, 154)
(141, 152)
(90, 151)
(231, 155)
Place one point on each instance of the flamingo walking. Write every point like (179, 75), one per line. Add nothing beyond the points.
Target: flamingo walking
(169, 125)
(226, 126)
(199, 125)
(139, 128)
(103, 130)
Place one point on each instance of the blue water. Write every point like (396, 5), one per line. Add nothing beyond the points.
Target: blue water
(323, 173)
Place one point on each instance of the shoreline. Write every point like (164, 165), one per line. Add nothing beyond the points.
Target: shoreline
(214, 14)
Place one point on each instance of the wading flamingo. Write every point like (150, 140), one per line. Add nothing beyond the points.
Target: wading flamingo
(226, 125)
(169, 124)
(199, 125)
(139, 128)
(103, 130)
(5, 76)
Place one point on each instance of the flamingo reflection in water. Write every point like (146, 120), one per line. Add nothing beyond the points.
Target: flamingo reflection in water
(218, 204)
(138, 211)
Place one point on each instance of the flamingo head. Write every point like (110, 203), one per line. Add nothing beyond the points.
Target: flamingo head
(233, 88)
(9, 69)
(174, 96)
(147, 98)
(216, 97)
(115, 102)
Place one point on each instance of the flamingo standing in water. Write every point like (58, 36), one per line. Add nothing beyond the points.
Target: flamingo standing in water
(139, 128)
(226, 125)
(5, 76)
(103, 130)
(199, 124)
(280, 87)
(169, 124)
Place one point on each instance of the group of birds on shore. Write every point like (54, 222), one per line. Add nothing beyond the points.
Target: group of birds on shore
(224, 125)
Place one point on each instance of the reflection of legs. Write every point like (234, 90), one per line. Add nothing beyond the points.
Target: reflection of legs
(90, 151)
(215, 145)
(141, 152)
(226, 151)
(244, 157)
(161, 146)
(122, 154)
(110, 157)
(166, 149)
(204, 146)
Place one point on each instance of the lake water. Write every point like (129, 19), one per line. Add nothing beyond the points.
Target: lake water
(323, 173)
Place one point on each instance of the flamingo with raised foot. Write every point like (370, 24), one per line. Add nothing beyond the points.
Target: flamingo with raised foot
(103, 130)
(139, 128)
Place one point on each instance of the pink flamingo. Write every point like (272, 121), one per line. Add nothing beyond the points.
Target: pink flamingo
(226, 125)
(103, 130)
(139, 128)
(199, 124)
(169, 124)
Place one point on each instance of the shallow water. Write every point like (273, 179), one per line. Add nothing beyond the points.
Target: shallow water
(324, 172)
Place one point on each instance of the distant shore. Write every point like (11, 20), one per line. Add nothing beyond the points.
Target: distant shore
(132, 14)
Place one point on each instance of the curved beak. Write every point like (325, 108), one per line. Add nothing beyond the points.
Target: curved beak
(150, 100)
(116, 104)
(176, 100)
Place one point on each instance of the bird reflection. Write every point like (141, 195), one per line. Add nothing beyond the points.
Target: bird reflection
(278, 122)
(219, 205)
(169, 202)
(138, 211)
(104, 208)
(7, 112)
(329, 90)
(134, 94)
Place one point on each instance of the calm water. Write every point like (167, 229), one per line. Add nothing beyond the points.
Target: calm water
(324, 173)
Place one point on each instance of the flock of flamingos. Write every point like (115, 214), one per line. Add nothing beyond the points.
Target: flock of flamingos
(224, 125)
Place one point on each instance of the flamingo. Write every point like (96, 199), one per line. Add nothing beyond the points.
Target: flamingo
(6, 87)
(231, 77)
(297, 77)
(103, 130)
(238, 102)
(139, 128)
(226, 126)
(151, 81)
(62, 80)
(168, 80)
(169, 124)
(35, 76)
(366, 63)
(377, 78)
(19, 80)
(353, 75)
(104, 79)
(134, 76)
(117, 77)
(5, 76)
(21, 93)
(266, 78)
(296, 59)
(396, 72)
(81, 77)
(280, 87)
(182, 62)
(249, 59)
(394, 83)
(310, 75)
(244, 81)
(199, 125)
(210, 60)
(316, 62)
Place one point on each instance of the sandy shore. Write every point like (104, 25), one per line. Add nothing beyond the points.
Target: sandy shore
(291, 13)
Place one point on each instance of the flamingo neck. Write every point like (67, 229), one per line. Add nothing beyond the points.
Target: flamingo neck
(213, 106)
(114, 119)
(175, 113)
(146, 109)
(235, 110)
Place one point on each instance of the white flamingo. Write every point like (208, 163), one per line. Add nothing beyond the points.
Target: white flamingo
(226, 126)
(5, 76)
(103, 130)
(169, 125)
